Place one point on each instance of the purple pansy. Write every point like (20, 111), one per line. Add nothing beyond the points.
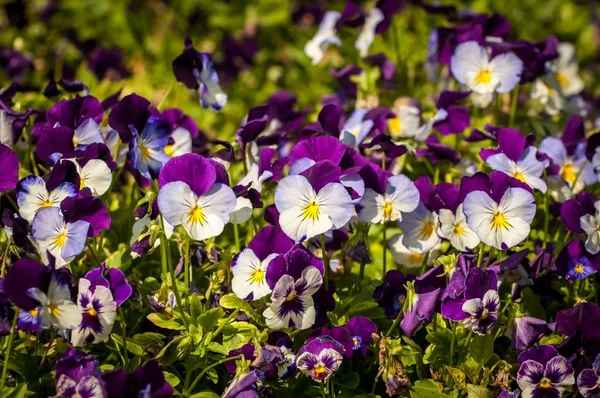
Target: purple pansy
(391, 295)
(33, 194)
(544, 373)
(528, 331)
(423, 300)
(9, 169)
(588, 381)
(361, 331)
(78, 375)
(320, 358)
(147, 380)
(574, 262)
(98, 312)
(112, 278)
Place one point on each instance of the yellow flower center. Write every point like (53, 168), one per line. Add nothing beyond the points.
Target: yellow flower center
(92, 312)
(500, 221)
(169, 149)
(355, 341)
(34, 312)
(426, 230)
(519, 176)
(75, 143)
(311, 211)
(291, 296)
(144, 151)
(483, 77)
(54, 310)
(394, 125)
(568, 173)
(46, 203)
(562, 79)
(401, 299)
(320, 369)
(196, 215)
(578, 268)
(484, 315)
(458, 229)
(60, 240)
(415, 258)
(258, 276)
(545, 383)
(387, 210)
(81, 183)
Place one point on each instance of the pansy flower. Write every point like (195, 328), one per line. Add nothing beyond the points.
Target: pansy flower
(98, 310)
(563, 74)
(497, 209)
(408, 258)
(196, 70)
(529, 330)
(386, 196)
(9, 169)
(249, 267)
(78, 374)
(574, 262)
(194, 192)
(113, 279)
(361, 331)
(292, 303)
(449, 117)
(315, 48)
(33, 195)
(367, 33)
(422, 300)
(356, 128)
(313, 202)
(320, 358)
(590, 223)
(544, 373)
(483, 312)
(472, 66)
(148, 380)
(572, 210)
(183, 131)
(55, 305)
(568, 154)
(588, 381)
(407, 119)
(57, 237)
(516, 157)
(391, 295)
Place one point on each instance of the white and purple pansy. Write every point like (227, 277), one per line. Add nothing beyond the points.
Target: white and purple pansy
(78, 375)
(387, 197)
(249, 267)
(544, 373)
(313, 202)
(320, 358)
(98, 310)
(315, 48)
(55, 305)
(588, 381)
(292, 303)
(33, 195)
(483, 312)
(195, 193)
(419, 227)
(517, 157)
(367, 33)
(57, 237)
(472, 66)
(590, 224)
(498, 208)
(356, 128)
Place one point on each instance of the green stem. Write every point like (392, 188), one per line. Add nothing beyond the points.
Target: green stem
(229, 319)
(47, 350)
(396, 321)
(164, 245)
(3, 263)
(94, 254)
(480, 255)
(384, 244)
(452, 342)
(124, 334)
(325, 261)
(236, 234)
(197, 379)
(160, 104)
(323, 389)
(8, 350)
(513, 106)
(186, 269)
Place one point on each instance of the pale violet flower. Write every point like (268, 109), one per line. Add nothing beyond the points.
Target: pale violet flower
(471, 66)
(367, 34)
(211, 95)
(482, 312)
(316, 47)
(32, 195)
(591, 225)
(87, 133)
(419, 227)
(182, 143)
(56, 308)
(503, 224)
(454, 227)
(53, 235)
(95, 175)
(575, 169)
(408, 258)
(250, 275)
(292, 304)
(305, 213)
(255, 178)
(527, 169)
(98, 311)
(401, 196)
(356, 129)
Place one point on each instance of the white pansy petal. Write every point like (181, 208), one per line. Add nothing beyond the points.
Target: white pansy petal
(62, 191)
(242, 211)
(212, 226)
(300, 165)
(293, 191)
(367, 34)
(507, 69)
(554, 148)
(369, 208)
(334, 201)
(403, 193)
(518, 202)
(97, 176)
(69, 315)
(472, 306)
(175, 202)
(297, 227)
(478, 208)
(501, 162)
(47, 223)
(87, 133)
(468, 57)
(219, 200)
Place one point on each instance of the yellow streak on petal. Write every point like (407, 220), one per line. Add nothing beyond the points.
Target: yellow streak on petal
(500, 221)
(311, 211)
(483, 77)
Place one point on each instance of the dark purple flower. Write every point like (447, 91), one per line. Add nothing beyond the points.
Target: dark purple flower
(528, 331)
(320, 358)
(361, 330)
(588, 381)
(25, 274)
(9, 169)
(78, 374)
(435, 151)
(247, 350)
(112, 278)
(574, 262)
(573, 209)
(14, 63)
(86, 208)
(146, 381)
(107, 63)
(457, 117)
(579, 319)
(391, 295)
(293, 263)
(423, 300)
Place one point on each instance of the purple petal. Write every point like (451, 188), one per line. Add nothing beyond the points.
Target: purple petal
(9, 169)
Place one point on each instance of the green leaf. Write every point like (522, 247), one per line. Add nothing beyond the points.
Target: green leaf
(482, 348)
(474, 391)
(531, 304)
(164, 322)
(231, 301)
(209, 319)
(458, 376)
(132, 346)
(171, 379)
(427, 389)
(349, 380)
(19, 391)
(168, 354)
(554, 339)
(147, 338)
(195, 305)
(205, 394)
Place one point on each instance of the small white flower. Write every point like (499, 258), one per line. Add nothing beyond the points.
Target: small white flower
(454, 227)
(419, 229)
(367, 34)
(250, 275)
(315, 48)
(591, 225)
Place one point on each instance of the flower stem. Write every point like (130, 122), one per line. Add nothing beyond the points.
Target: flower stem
(229, 319)
(236, 234)
(384, 244)
(396, 322)
(8, 350)
(546, 215)
(186, 269)
(452, 342)
(124, 334)
(480, 255)
(513, 106)
(325, 261)
(164, 246)
(197, 379)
